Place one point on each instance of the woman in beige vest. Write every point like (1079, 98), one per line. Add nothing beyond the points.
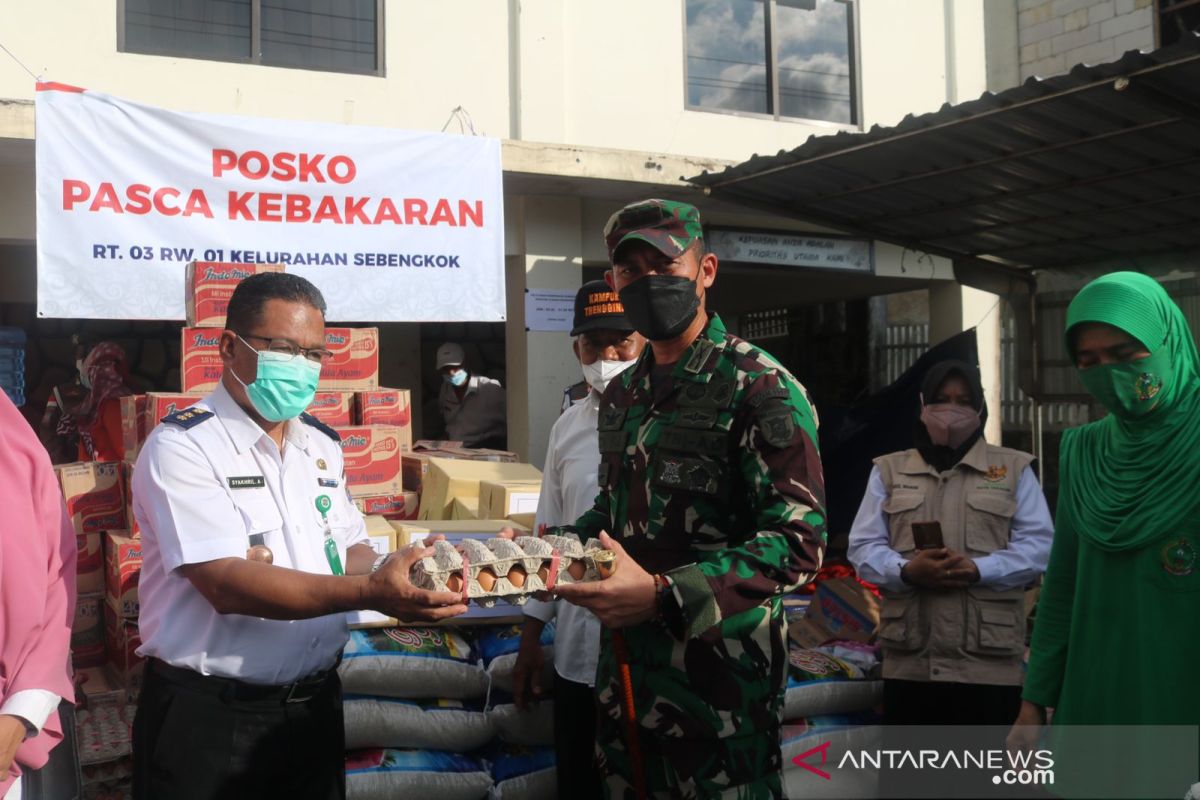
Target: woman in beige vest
(953, 621)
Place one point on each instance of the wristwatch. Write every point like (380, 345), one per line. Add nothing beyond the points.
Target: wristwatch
(379, 562)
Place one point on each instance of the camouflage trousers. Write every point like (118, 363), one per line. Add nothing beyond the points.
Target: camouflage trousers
(743, 767)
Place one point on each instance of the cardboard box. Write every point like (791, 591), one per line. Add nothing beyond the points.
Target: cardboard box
(501, 499)
(464, 508)
(404, 505)
(121, 640)
(524, 520)
(452, 529)
(210, 284)
(372, 460)
(384, 407)
(382, 538)
(355, 362)
(95, 495)
(841, 608)
(335, 409)
(142, 412)
(199, 360)
(97, 688)
(87, 631)
(122, 569)
(89, 563)
(127, 480)
(450, 478)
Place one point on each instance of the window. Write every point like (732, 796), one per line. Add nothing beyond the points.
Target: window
(1176, 19)
(329, 35)
(785, 58)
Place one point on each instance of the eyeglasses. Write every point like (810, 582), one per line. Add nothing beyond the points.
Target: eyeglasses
(283, 347)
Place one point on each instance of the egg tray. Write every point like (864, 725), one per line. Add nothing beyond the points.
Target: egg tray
(485, 571)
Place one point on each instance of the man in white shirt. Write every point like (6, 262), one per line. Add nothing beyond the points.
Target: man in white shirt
(253, 553)
(605, 344)
(473, 406)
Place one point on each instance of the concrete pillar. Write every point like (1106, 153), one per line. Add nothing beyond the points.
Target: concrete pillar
(954, 308)
(540, 364)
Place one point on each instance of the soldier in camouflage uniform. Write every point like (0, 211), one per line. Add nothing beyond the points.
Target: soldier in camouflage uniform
(712, 491)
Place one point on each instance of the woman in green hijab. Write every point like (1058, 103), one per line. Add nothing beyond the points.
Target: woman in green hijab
(1117, 636)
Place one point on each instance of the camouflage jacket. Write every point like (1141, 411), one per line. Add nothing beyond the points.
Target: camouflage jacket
(716, 484)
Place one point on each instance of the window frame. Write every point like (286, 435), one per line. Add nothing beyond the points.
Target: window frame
(255, 58)
(853, 46)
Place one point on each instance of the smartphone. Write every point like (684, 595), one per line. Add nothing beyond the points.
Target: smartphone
(928, 535)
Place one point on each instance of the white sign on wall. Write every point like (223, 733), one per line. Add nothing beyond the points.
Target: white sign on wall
(794, 250)
(549, 310)
(391, 225)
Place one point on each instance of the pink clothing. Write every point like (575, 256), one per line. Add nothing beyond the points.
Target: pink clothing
(37, 580)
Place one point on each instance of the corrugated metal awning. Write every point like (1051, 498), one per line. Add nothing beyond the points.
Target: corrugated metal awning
(1096, 164)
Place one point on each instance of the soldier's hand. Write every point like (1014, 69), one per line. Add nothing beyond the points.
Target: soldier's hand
(624, 599)
(391, 590)
(527, 673)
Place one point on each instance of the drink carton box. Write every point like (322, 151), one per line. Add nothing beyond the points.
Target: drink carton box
(210, 284)
(372, 459)
(404, 505)
(121, 640)
(355, 362)
(141, 413)
(95, 495)
(335, 409)
(199, 359)
(123, 568)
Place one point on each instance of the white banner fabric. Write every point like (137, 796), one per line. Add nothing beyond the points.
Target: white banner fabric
(391, 225)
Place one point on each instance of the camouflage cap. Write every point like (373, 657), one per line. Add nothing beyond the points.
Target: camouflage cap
(667, 225)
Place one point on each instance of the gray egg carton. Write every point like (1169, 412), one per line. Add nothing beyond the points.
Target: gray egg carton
(470, 557)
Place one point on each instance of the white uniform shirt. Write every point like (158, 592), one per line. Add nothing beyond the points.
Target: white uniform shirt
(34, 706)
(569, 488)
(479, 416)
(199, 492)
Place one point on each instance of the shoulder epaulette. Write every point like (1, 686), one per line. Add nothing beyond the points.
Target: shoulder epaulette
(309, 419)
(187, 418)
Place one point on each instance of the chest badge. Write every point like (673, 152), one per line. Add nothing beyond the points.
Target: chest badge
(321, 464)
(1179, 557)
(327, 483)
(995, 474)
(246, 481)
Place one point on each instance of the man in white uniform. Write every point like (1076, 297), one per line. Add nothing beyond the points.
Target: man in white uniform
(605, 344)
(253, 554)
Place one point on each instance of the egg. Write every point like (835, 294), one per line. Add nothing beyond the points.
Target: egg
(544, 572)
(486, 579)
(454, 583)
(517, 575)
(577, 570)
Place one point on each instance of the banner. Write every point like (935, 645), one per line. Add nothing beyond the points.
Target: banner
(391, 225)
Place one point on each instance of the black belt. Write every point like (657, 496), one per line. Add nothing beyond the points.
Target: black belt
(231, 689)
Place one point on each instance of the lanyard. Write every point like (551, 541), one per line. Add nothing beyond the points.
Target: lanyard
(331, 549)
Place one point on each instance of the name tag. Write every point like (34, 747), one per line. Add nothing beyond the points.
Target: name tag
(329, 483)
(247, 482)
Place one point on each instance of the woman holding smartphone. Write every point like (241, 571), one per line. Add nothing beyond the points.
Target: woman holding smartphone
(952, 531)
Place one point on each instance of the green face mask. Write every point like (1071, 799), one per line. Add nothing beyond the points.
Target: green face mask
(283, 386)
(1133, 389)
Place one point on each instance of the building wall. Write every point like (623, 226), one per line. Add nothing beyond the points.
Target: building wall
(1055, 35)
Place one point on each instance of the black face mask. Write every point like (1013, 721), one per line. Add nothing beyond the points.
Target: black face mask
(660, 307)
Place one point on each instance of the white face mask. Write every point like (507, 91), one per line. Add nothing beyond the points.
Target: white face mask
(600, 372)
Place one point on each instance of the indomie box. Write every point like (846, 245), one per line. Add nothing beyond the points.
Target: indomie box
(123, 568)
(94, 495)
(199, 359)
(121, 640)
(141, 413)
(87, 631)
(335, 409)
(384, 407)
(210, 284)
(354, 365)
(372, 460)
(89, 563)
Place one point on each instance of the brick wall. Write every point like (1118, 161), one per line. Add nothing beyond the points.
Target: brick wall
(1055, 35)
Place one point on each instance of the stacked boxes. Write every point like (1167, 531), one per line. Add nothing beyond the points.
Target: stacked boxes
(210, 284)
(199, 359)
(372, 460)
(335, 409)
(122, 569)
(94, 495)
(355, 363)
(451, 479)
(502, 499)
(87, 631)
(140, 413)
(384, 407)
(404, 505)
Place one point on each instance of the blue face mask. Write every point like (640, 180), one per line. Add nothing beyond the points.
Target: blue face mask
(283, 386)
(456, 379)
